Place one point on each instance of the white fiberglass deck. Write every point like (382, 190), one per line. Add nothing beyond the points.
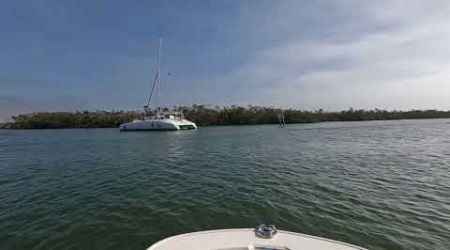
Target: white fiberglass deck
(245, 239)
(158, 124)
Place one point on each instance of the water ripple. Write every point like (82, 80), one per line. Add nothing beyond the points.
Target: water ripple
(381, 185)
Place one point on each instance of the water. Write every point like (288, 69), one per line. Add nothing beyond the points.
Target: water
(380, 185)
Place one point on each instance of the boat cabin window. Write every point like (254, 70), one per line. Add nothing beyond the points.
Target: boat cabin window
(174, 116)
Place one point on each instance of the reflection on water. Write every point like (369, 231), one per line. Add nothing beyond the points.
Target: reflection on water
(381, 184)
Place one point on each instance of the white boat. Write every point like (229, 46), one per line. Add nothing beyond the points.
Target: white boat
(171, 120)
(264, 237)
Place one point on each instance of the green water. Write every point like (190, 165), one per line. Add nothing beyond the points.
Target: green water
(380, 185)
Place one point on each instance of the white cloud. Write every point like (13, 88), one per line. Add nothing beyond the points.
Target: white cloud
(310, 55)
(404, 64)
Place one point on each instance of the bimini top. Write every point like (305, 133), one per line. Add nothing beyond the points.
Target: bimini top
(249, 239)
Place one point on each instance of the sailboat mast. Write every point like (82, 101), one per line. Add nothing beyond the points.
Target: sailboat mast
(158, 81)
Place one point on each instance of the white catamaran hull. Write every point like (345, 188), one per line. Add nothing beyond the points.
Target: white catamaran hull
(154, 124)
(245, 239)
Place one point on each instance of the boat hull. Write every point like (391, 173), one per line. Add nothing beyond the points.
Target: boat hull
(157, 125)
(245, 239)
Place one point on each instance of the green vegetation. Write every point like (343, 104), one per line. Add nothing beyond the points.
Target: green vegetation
(85, 119)
(205, 116)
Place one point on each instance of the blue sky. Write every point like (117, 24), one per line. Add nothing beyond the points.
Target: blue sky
(77, 55)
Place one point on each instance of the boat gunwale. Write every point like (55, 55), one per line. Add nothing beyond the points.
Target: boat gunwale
(162, 241)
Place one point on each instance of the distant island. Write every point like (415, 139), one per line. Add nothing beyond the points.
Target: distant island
(205, 116)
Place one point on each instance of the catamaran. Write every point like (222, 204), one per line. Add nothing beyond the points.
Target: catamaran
(167, 120)
(263, 237)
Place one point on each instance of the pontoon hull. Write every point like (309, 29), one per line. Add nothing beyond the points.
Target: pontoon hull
(157, 125)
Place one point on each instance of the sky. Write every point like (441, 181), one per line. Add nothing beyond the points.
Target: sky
(331, 55)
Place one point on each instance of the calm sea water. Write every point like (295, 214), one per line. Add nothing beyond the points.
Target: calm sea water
(380, 184)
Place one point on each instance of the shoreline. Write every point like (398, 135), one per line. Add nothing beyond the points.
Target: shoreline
(228, 125)
(206, 116)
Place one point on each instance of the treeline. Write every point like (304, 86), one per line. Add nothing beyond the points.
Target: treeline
(236, 115)
(205, 115)
(84, 119)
